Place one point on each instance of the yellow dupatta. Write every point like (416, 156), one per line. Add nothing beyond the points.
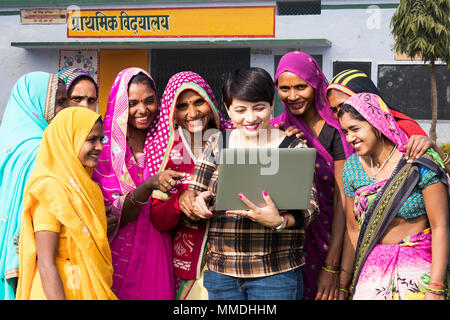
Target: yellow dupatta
(64, 187)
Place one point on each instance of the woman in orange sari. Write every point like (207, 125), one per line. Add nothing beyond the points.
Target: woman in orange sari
(63, 249)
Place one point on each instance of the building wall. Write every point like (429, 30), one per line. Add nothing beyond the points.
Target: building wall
(356, 33)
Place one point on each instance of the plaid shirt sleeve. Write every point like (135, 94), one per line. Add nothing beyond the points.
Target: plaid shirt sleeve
(204, 175)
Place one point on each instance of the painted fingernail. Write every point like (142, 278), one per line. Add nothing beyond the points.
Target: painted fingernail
(227, 212)
(265, 193)
(240, 196)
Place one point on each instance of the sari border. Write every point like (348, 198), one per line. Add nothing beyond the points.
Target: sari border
(50, 102)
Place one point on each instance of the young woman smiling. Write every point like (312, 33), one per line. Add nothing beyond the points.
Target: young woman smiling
(244, 262)
(397, 212)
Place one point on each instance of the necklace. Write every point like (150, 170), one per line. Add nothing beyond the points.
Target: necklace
(384, 163)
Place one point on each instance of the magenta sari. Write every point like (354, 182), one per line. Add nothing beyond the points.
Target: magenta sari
(318, 235)
(142, 256)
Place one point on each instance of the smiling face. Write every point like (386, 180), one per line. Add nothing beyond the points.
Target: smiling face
(83, 93)
(359, 134)
(192, 112)
(295, 93)
(336, 99)
(92, 147)
(142, 106)
(250, 118)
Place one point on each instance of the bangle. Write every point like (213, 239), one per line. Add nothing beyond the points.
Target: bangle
(446, 160)
(135, 202)
(330, 270)
(437, 284)
(344, 290)
(282, 225)
(436, 291)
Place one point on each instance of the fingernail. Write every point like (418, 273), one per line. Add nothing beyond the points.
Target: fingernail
(265, 193)
(240, 196)
(210, 214)
(227, 212)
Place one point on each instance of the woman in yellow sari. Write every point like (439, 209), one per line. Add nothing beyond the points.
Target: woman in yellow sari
(63, 249)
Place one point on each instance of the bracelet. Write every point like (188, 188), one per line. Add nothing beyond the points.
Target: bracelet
(446, 160)
(330, 270)
(436, 291)
(344, 290)
(437, 284)
(135, 202)
(284, 220)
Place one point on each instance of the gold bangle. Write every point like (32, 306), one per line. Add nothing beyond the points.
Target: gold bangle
(446, 160)
(329, 270)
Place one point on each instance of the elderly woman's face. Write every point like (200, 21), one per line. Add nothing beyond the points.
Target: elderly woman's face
(192, 112)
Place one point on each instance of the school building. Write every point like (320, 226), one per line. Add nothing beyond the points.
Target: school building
(211, 38)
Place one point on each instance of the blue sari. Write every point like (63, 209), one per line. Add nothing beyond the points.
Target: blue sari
(30, 108)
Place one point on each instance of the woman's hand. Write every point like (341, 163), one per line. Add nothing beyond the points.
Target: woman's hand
(111, 220)
(291, 131)
(164, 180)
(432, 296)
(186, 203)
(327, 286)
(201, 210)
(268, 216)
(417, 146)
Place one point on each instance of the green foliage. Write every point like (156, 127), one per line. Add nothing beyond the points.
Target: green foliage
(445, 147)
(422, 27)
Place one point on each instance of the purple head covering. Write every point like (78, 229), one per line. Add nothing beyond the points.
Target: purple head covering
(305, 67)
(377, 113)
(317, 237)
(69, 75)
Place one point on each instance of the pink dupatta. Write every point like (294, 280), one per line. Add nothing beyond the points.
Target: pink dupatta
(142, 256)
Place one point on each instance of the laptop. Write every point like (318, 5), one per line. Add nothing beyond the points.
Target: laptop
(286, 174)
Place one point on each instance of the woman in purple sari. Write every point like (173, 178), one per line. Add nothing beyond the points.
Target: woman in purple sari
(136, 135)
(302, 89)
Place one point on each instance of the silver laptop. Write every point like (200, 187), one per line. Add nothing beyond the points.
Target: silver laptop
(286, 174)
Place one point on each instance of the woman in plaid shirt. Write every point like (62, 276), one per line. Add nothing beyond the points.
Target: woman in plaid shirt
(255, 253)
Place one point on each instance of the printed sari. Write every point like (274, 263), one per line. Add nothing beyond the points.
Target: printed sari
(189, 238)
(142, 256)
(60, 189)
(30, 108)
(398, 271)
(319, 233)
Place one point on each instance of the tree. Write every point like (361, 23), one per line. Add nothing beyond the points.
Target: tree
(422, 28)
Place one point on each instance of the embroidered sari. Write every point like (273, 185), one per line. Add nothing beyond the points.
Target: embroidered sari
(60, 190)
(318, 234)
(142, 256)
(398, 271)
(30, 108)
(189, 239)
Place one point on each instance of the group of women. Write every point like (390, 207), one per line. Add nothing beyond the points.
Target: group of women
(123, 208)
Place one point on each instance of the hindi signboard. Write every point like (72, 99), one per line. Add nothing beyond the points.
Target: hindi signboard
(257, 21)
(43, 16)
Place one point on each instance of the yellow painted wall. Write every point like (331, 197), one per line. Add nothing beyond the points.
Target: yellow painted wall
(111, 63)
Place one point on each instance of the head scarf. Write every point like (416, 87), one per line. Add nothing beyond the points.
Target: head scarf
(179, 83)
(69, 75)
(377, 113)
(30, 108)
(352, 81)
(305, 67)
(179, 157)
(317, 237)
(61, 184)
(138, 243)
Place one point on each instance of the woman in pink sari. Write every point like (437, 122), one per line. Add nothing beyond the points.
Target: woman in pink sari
(136, 135)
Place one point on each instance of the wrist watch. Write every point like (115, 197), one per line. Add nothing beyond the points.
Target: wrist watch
(282, 224)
